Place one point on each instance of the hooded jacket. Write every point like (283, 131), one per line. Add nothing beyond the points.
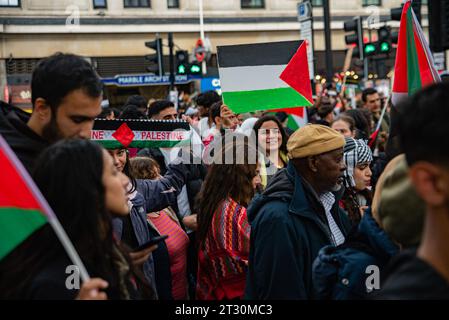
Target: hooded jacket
(26, 144)
(340, 273)
(288, 228)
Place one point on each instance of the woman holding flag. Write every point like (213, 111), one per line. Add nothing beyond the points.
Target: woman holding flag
(82, 185)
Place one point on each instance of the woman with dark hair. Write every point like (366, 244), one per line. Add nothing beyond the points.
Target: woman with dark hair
(223, 228)
(362, 123)
(84, 188)
(345, 125)
(272, 142)
(357, 178)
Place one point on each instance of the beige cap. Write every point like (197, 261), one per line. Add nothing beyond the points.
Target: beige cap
(314, 139)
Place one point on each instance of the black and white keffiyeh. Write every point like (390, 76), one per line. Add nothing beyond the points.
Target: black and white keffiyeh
(355, 152)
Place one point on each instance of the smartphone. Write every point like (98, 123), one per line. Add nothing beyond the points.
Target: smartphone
(152, 242)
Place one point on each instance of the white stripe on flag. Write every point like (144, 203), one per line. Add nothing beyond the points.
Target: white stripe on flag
(251, 78)
(427, 51)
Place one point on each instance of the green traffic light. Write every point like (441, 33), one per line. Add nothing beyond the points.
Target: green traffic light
(181, 69)
(385, 47)
(370, 49)
(195, 68)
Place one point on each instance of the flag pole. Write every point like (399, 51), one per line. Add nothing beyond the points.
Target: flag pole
(372, 140)
(379, 123)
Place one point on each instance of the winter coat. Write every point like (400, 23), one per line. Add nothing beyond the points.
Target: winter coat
(341, 273)
(288, 228)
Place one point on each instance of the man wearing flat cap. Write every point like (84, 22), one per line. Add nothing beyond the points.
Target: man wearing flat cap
(296, 216)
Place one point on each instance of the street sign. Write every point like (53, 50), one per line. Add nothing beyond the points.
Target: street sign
(306, 34)
(199, 51)
(439, 59)
(210, 84)
(304, 11)
(144, 80)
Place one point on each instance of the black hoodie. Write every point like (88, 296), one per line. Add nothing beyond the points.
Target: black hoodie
(26, 144)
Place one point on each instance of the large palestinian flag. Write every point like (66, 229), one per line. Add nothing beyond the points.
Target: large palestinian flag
(414, 67)
(265, 76)
(121, 133)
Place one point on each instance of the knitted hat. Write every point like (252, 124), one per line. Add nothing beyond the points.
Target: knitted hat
(401, 211)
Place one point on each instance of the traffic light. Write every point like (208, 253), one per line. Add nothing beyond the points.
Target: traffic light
(355, 38)
(396, 13)
(370, 49)
(195, 68)
(395, 37)
(384, 42)
(182, 61)
(157, 66)
(438, 25)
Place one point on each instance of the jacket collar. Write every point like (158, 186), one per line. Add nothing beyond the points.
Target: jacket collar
(299, 203)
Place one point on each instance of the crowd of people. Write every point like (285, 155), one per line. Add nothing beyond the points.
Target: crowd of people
(294, 215)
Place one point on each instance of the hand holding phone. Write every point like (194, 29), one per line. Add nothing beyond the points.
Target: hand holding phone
(150, 243)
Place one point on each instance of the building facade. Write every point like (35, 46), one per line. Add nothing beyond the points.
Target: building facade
(112, 33)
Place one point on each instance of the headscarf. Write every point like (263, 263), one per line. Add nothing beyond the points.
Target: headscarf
(355, 152)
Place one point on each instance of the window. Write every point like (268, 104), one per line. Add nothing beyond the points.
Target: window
(366, 3)
(252, 4)
(100, 4)
(317, 3)
(173, 4)
(9, 3)
(137, 3)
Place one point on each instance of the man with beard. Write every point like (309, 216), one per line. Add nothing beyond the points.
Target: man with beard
(296, 216)
(66, 94)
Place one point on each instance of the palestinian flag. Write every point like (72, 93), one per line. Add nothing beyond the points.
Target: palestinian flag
(22, 207)
(414, 67)
(265, 76)
(294, 122)
(121, 133)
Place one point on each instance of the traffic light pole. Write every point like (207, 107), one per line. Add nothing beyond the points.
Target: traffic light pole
(327, 39)
(172, 61)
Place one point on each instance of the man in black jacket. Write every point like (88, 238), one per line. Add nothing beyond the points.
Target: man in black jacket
(296, 216)
(66, 94)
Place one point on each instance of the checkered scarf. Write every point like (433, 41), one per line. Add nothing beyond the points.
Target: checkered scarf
(355, 152)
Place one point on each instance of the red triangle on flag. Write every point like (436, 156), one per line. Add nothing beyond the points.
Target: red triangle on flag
(297, 111)
(124, 135)
(296, 74)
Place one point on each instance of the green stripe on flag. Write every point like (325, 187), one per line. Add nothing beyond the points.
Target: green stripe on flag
(291, 123)
(111, 144)
(16, 226)
(413, 74)
(264, 99)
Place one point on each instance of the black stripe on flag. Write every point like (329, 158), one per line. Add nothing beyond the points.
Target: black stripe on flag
(257, 54)
(141, 125)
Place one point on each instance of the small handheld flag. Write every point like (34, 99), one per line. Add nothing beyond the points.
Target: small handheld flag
(24, 210)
